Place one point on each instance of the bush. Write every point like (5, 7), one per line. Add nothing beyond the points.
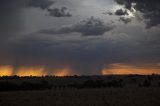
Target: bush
(145, 83)
(8, 86)
(91, 84)
(159, 84)
(115, 83)
(35, 86)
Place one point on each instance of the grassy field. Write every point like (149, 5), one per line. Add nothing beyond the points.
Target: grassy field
(83, 97)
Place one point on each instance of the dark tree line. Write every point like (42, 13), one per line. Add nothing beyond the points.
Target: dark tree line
(28, 85)
(97, 84)
(8, 85)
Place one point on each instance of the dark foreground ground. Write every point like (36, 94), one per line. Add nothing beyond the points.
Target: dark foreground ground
(83, 97)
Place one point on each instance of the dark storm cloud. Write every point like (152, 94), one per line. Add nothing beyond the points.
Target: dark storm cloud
(121, 12)
(125, 20)
(46, 4)
(43, 4)
(58, 53)
(10, 24)
(149, 8)
(83, 55)
(35, 51)
(11, 21)
(89, 27)
(9, 18)
(62, 12)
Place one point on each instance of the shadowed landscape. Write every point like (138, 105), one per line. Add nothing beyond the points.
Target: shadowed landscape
(111, 90)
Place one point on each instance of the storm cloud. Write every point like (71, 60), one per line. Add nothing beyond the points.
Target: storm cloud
(10, 23)
(125, 20)
(46, 5)
(121, 12)
(149, 9)
(89, 27)
(38, 33)
(56, 12)
(87, 55)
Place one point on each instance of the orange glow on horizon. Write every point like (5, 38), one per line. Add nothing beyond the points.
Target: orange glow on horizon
(6, 70)
(118, 68)
(31, 71)
(63, 72)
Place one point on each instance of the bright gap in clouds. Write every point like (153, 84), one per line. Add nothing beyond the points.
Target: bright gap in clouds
(121, 68)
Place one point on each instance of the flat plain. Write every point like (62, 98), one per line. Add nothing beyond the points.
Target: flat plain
(83, 97)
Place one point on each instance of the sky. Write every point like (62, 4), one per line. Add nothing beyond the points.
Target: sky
(83, 37)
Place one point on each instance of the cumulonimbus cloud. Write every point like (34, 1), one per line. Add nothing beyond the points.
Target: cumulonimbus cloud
(149, 8)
